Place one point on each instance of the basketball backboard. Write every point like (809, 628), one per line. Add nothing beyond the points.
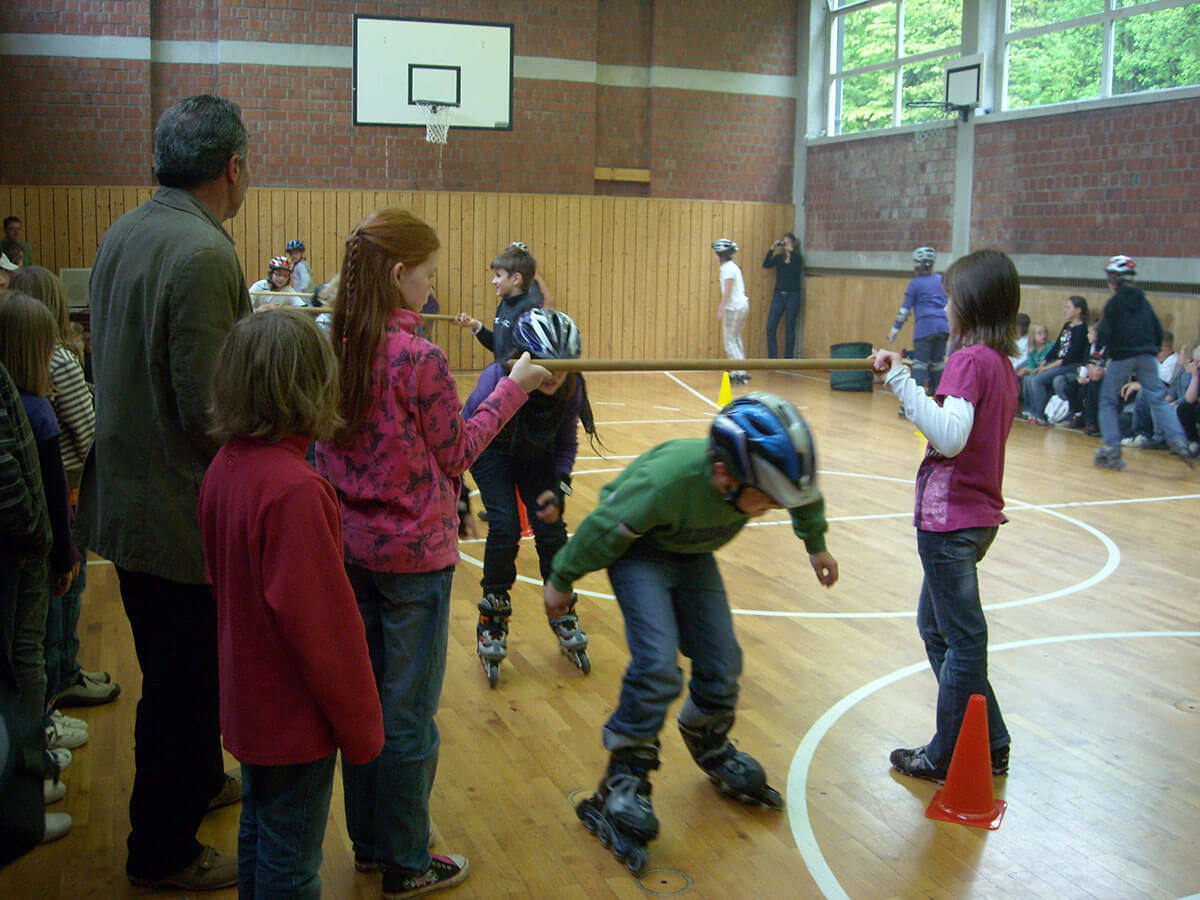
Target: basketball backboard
(400, 63)
(963, 81)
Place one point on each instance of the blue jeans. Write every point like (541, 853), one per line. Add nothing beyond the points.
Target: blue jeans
(499, 476)
(1166, 423)
(929, 359)
(785, 305)
(1036, 388)
(672, 603)
(284, 811)
(62, 634)
(407, 618)
(950, 621)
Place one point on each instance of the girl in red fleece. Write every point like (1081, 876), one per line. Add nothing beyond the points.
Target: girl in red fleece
(295, 675)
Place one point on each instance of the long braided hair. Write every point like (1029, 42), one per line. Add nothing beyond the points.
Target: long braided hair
(366, 298)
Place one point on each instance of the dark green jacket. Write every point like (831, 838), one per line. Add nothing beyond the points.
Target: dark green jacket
(165, 289)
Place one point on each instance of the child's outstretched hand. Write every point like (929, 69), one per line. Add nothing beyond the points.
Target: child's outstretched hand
(557, 602)
(549, 507)
(527, 373)
(883, 360)
(466, 320)
(825, 566)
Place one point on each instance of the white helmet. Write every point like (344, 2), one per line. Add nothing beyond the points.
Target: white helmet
(724, 245)
(1121, 266)
(924, 256)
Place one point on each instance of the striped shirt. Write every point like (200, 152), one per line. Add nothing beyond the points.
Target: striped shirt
(72, 402)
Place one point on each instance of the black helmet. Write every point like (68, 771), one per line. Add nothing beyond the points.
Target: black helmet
(767, 446)
(547, 334)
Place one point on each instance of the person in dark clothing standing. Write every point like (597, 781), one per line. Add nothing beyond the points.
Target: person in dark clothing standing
(512, 274)
(166, 287)
(786, 302)
(1131, 335)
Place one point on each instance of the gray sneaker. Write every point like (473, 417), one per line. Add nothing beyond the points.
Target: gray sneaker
(209, 871)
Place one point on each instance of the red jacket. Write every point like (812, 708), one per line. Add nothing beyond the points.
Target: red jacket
(398, 479)
(296, 680)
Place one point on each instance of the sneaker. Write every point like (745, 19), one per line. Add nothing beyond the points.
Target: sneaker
(1183, 451)
(60, 736)
(1140, 441)
(230, 792)
(916, 764)
(53, 790)
(207, 872)
(57, 826)
(443, 872)
(60, 757)
(69, 722)
(98, 677)
(85, 692)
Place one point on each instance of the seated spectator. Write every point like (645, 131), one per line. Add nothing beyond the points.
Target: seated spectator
(1188, 406)
(1037, 348)
(276, 289)
(1168, 359)
(1146, 434)
(12, 232)
(7, 267)
(1069, 352)
(15, 251)
(1022, 340)
(302, 278)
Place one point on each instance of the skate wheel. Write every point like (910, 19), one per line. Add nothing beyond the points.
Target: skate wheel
(493, 674)
(635, 859)
(585, 664)
(772, 798)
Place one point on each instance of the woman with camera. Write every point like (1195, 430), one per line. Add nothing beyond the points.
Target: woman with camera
(785, 259)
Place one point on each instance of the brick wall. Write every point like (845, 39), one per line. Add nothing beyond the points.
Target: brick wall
(881, 194)
(1121, 178)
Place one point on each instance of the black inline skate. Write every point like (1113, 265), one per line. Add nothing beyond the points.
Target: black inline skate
(572, 640)
(620, 813)
(735, 773)
(492, 633)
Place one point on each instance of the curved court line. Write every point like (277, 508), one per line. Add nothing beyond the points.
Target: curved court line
(797, 780)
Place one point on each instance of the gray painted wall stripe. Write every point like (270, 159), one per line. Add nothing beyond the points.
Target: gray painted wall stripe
(1030, 265)
(539, 68)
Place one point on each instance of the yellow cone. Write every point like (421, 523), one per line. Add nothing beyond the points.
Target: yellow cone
(726, 393)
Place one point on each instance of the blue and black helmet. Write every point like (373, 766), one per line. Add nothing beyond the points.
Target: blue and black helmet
(547, 334)
(294, 244)
(767, 446)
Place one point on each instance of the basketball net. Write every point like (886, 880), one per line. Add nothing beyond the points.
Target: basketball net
(437, 122)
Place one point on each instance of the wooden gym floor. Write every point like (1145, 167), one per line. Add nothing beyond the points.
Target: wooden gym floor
(1092, 593)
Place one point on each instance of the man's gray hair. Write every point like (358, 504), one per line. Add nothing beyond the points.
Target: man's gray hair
(195, 139)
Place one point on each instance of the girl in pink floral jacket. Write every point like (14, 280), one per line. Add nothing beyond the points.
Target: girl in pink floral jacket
(396, 466)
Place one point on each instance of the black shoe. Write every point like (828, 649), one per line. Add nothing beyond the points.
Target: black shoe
(916, 764)
(1000, 760)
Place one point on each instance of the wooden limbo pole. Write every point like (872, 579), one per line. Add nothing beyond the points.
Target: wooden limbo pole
(698, 365)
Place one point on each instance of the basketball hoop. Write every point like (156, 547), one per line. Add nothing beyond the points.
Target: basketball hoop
(437, 122)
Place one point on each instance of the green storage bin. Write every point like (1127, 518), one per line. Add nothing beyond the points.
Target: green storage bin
(852, 380)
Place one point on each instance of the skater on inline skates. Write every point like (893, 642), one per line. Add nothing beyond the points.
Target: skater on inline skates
(656, 529)
(533, 456)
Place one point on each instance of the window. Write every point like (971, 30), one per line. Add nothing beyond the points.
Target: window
(885, 54)
(1062, 50)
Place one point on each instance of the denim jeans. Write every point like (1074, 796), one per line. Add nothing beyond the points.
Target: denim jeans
(178, 766)
(407, 619)
(499, 476)
(929, 359)
(1036, 388)
(950, 621)
(284, 811)
(62, 634)
(672, 603)
(1166, 423)
(785, 305)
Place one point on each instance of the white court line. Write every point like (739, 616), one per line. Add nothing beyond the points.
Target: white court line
(653, 421)
(691, 390)
(797, 781)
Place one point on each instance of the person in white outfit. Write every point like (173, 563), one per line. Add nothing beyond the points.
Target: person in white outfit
(276, 289)
(734, 305)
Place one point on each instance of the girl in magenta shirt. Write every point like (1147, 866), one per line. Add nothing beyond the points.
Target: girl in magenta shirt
(960, 502)
(396, 466)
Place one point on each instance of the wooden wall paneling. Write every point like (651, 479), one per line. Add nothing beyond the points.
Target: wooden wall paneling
(75, 227)
(88, 236)
(47, 231)
(618, 295)
(636, 332)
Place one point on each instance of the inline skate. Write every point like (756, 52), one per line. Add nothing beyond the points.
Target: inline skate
(620, 813)
(735, 773)
(492, 633)
(1107, 457)
(572, 640)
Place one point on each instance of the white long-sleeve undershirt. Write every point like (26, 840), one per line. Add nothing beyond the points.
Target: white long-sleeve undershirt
(946, 427)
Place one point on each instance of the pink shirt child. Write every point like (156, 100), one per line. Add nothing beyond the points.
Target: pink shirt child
(964, 491)
(398, 481)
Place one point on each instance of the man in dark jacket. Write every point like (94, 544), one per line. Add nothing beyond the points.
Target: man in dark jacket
(165, 289)
(1131, 335)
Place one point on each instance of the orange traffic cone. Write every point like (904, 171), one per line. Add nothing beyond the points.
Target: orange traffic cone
(967, 798)
(526, 531)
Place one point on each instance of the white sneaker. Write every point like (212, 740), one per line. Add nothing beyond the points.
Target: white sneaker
(60, 737)
(69, 722)
(52, 791)
(60, 756)
(57, 826)
(1138, 440)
